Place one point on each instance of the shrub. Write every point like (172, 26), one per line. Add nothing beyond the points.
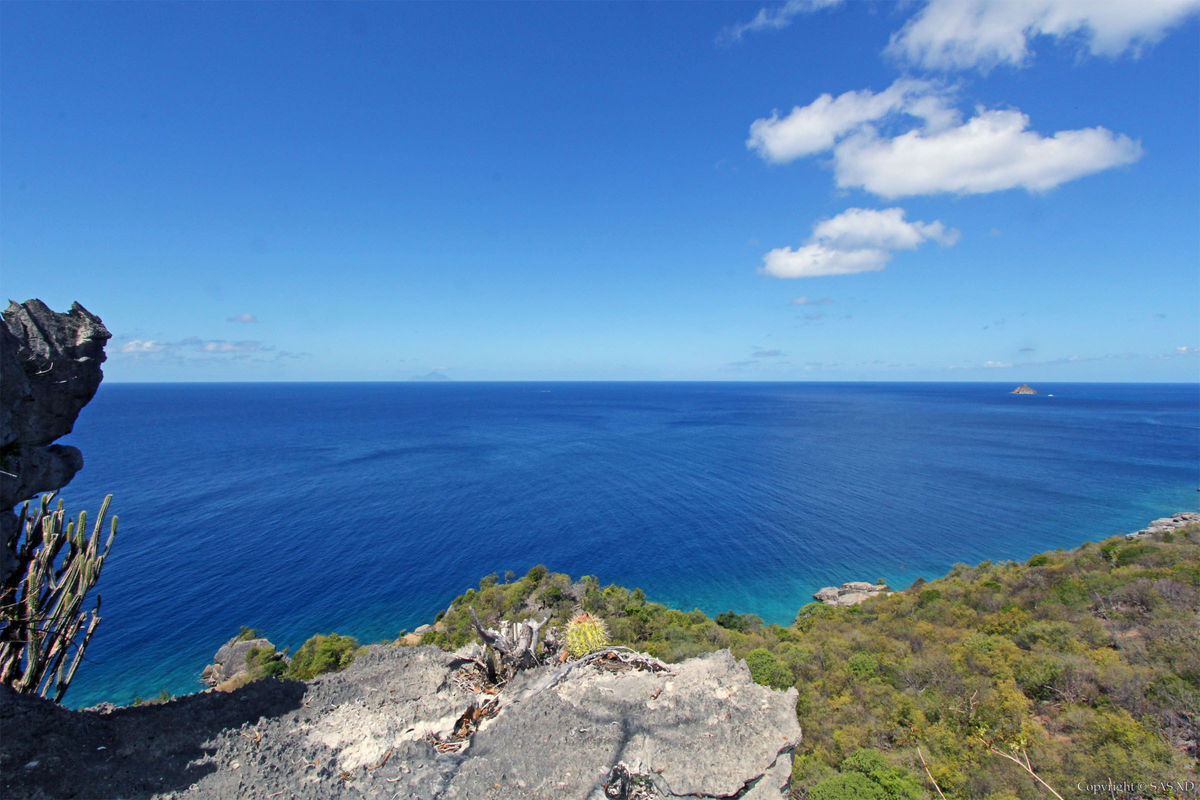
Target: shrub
(1040, 560)
(766, 669)
(247, 633)
(862, 665)
(264, 662)
(536, 573)
(847, 786)
(322, 654)
(895, 783)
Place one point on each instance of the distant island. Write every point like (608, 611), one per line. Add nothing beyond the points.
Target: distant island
(1024, 388)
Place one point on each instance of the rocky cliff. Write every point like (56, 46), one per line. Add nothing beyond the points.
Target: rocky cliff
(417, 722)
(49, 370)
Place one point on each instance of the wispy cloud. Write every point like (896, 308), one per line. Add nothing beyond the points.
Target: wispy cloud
(966, 34)
(857, 240)
(761, 353)
(768, 19)
(806, 301)
(143, 346)
(242, 318)
(194, 348)
(938, 153)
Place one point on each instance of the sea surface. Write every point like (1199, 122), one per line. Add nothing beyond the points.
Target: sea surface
(363, 509)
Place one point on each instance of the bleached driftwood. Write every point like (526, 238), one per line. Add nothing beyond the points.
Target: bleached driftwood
(515, 642)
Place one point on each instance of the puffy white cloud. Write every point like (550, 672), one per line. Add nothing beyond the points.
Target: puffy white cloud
(774, 19)
(858, 228)
(813, 260)
(817, 126)
(962, 34)
(993, 151)
(857, 240)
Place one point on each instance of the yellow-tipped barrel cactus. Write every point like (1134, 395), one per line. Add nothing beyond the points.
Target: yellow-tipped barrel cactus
(586, 634)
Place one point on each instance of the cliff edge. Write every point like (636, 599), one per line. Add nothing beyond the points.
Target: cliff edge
(417, 722)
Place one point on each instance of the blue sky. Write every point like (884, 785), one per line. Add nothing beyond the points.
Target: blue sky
(808, 190)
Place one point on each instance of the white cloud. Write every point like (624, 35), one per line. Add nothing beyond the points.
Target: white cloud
(817, 126)
(961, 34)
(858, 228)
(991, 152)
(142, 346)
(243, 318)
(997, 364)
(224, 346)
(774, 19)
(194, 346)
(857, 240)
(806, 301)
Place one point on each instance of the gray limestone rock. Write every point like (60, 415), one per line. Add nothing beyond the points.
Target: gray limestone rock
(699, 729)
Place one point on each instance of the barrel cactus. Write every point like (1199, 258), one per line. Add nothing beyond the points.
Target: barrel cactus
(586, 634)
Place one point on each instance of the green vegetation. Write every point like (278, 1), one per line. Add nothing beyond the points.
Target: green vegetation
(264, 662)
(246, 634)
(1083, 665)
(41, 619)
(319, 655)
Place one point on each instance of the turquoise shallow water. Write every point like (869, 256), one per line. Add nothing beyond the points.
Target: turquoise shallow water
(365, 508)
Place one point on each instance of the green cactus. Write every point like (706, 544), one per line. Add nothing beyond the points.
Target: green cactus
(41, 601)
(585, 634)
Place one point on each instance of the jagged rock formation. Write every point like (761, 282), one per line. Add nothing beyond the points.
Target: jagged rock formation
(383, 726)
(1024, 388)
(229, 664)
(850, 594)
(49, 370)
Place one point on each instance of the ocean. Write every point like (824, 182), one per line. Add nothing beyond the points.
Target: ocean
(363, 509)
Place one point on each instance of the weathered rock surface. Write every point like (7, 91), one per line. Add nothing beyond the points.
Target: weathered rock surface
(1024, 388)
(1166, 525)
(850, 594)
(230, 661)
(701, 729)
(49, 370)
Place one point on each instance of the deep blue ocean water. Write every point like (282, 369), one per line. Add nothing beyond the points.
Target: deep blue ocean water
(365, 508)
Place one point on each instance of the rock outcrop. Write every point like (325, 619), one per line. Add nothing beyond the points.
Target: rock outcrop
(230, 664)
(1166, 525)
(384, 726)
(1024, 388)
(850, 594)
(49, 370)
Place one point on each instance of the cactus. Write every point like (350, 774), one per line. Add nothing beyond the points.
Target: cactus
(40, 617)
(585, 634)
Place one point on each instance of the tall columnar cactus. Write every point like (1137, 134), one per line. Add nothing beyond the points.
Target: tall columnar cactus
(40, 616)
(585, 634)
